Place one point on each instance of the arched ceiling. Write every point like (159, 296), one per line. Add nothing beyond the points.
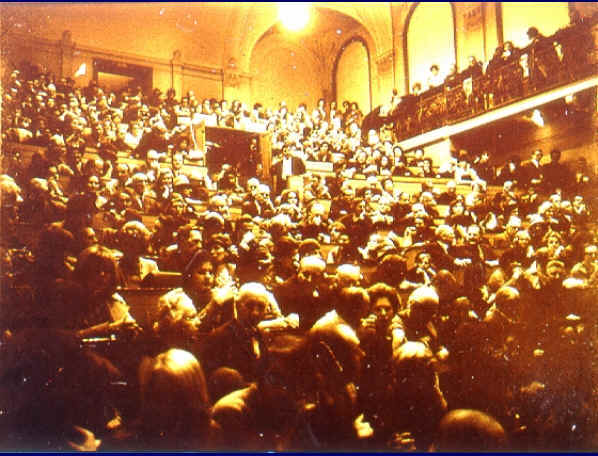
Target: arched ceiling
(206, 33)
(255, 19)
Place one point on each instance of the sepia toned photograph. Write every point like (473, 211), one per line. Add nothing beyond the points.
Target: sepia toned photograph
(299, 227)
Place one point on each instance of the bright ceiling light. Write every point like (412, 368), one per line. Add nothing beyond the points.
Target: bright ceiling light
(294, 16)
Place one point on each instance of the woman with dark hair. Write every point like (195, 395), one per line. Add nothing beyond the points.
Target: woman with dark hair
(89, 304)
(377, 338)
(390, 270)
(290, 204)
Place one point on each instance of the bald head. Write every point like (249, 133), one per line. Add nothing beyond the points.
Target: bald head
(470, 430)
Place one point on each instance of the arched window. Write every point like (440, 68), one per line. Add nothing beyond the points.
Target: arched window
(517, 17)
(430, 40)
(353, 75)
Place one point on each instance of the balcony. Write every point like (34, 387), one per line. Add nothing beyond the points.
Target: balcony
(533, 76)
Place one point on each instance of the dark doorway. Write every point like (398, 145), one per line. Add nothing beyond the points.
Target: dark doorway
(119, 75)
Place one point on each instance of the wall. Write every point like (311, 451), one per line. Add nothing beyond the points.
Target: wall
(153, 29)
(64, 57)
(284, 71)
(352, 76)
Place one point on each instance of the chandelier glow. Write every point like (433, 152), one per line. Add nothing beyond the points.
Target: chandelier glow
(294, 16)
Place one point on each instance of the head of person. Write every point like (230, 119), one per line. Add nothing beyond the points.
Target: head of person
(263, 193)
(252, 185)
(591, 253)
(290, 197)
(188, 238)
(532, 33)
(182, 185)
(513, 225)
(252, 303)
(552, 240)
(218, 246)
(414, 370)
(311, 270)
(177, 161)
(335, 354)
(219, 203)
(555, 155)
(139, 182)
(348, 275)
(310, 247)
(445, 233)
(423, 304)
(457, 208)
(134, 238)
(391, 269)
(537, 155)
(470, 430)
(353, 304)
(176, 317)
(384, 303)
(474, 234)
(555, 270)
(174, 399)
(507, 301)
(446, 286)
(97, 271)
(198, 275)
(337, 230)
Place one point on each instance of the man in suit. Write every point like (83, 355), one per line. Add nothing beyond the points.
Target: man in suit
(288, 165)
(532, 170)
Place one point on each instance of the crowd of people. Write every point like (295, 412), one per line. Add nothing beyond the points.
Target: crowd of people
(327, 317)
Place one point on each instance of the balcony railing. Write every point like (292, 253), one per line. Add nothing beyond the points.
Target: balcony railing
(565, 57)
